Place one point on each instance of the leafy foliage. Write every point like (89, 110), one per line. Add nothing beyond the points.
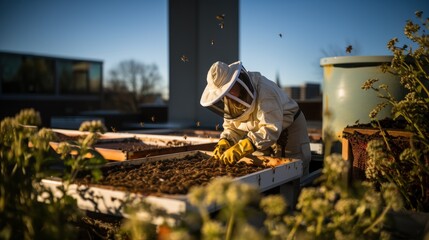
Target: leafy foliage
(81, 155)
(27, 209)
(412, 67)
(334, 209)
(340, 209)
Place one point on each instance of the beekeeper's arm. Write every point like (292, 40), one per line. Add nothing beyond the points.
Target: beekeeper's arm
(228, 138)
(231, 131)
(270, 117)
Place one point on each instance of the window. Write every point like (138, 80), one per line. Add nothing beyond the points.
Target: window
(79, 77)
(26, 74)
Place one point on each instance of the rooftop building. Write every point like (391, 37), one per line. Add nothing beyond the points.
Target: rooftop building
(306, 91)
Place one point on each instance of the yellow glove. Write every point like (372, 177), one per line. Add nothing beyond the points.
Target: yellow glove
(221, 147)
(238, 151)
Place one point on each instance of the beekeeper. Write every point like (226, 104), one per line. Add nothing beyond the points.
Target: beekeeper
(259, 117)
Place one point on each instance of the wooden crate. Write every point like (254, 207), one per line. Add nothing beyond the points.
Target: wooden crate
(358, 157)
(112, 146)
(108, 200)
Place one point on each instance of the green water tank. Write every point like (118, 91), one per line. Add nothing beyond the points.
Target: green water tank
(343, 96)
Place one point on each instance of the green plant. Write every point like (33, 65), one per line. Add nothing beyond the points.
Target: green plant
(239, 205)
(334, 209)
(25, 158)
(340, 209)
(139, 223)
(409, 171)
(81, 155)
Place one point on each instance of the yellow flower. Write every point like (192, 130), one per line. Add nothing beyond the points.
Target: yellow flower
(273, 205)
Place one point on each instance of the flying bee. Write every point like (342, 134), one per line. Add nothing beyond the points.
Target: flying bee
(349, 49)
(221, 25)
(217, 126)
(184, 58)
(418, 14)
(212, 42)
(142, 124)
(113, 129)
(153, 118)
(280, 35)
(198, 123)
(220, 17)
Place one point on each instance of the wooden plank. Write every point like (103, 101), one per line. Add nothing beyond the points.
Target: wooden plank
(369, 131)
(266, 160)
(108, 154)
(346, 149)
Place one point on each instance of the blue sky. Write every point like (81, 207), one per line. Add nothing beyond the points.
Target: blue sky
(313, 29)
(112, 31)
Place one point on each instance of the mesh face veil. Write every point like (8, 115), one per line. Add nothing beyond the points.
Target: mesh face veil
(237, 100)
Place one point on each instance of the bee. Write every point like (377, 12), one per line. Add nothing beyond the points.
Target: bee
(221, 25)
(418, 14)
(184, 58)
(198, 123)
(113, 129)
(142, 124)
(220, 17)
(349, 49)
(212, 42)
(153, 118)
(280, 35)
(217, 127)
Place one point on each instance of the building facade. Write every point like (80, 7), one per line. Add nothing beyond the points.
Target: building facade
(307, 91)
(200, 33)
(53, 86)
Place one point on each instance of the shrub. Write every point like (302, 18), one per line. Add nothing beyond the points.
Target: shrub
(409, 170)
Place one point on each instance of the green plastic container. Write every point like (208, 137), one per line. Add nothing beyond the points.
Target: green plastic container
(343, 96)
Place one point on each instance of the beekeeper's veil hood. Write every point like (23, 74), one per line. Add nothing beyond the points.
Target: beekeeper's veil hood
(229, 91)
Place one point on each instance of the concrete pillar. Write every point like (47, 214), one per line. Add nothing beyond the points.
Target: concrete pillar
(197, 38)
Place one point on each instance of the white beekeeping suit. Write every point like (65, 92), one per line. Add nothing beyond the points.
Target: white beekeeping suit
(256, 112)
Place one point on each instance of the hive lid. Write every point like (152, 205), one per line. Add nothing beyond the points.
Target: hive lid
(355, 59)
